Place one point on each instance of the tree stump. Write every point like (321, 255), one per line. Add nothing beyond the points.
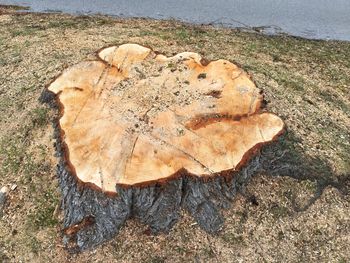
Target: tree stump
(143, 135)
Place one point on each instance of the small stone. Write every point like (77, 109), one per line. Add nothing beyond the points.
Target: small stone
(4, 190)
(3, 196)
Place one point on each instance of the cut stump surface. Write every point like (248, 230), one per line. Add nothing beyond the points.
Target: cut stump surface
(134, 117)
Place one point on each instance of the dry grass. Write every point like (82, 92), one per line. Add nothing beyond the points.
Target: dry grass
(307, 82)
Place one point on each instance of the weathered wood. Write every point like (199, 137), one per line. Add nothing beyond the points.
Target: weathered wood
(155, 134)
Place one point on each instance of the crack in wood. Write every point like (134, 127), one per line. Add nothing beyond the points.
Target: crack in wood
(185, 153)
(88, 97)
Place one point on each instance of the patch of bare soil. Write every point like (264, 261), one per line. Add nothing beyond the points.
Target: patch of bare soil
(280, 217)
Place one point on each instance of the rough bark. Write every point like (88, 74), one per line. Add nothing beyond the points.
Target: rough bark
(199, 169)
(91, 217)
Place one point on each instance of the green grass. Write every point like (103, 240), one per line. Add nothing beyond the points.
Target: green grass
(27, 31)
(43, 214)
(62, 24)
(208, 252)
(279, 211)
(15, 7)
(233, 239)
(309, 185)
(12, 154)
(155, 259)
(33, 243)
(40, 116)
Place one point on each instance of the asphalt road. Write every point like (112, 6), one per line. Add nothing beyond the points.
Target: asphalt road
(318, 19)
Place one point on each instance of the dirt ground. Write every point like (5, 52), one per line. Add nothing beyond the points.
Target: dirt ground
(290, 219)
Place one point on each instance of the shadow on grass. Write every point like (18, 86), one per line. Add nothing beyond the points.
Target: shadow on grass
(286, 158)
